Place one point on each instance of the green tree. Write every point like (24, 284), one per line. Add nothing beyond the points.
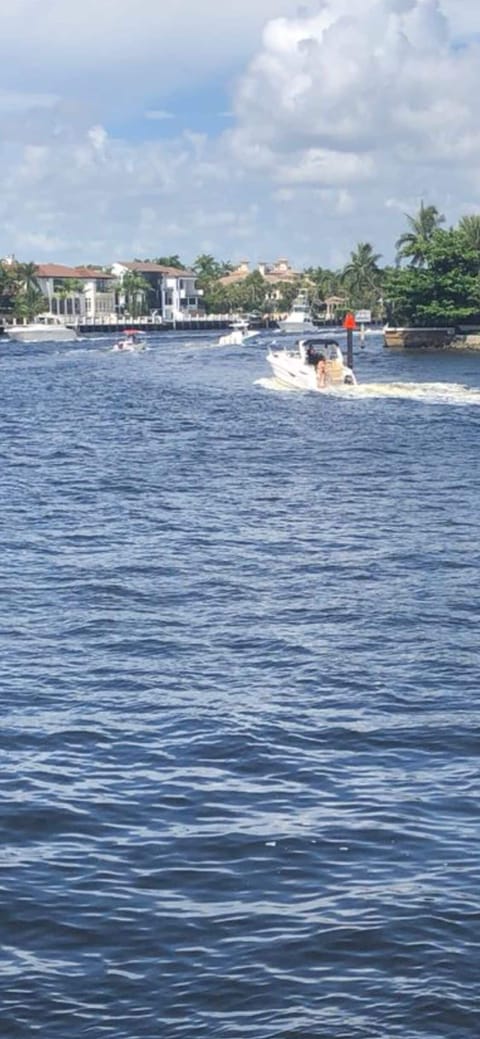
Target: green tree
(469, 227)
(136, 290)
(208, 269)
(216, 298)
(252, 292)
(69, 288)
(170, 261)
(27, 276)
(413, 244)
(445, 292)
(321, 283)
(28, 302)
(8, 287)
(288, 290)
(361, 276)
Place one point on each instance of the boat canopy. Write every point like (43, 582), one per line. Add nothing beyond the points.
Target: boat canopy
(315, 350)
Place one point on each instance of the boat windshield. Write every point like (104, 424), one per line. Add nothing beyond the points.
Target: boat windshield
(315, 350)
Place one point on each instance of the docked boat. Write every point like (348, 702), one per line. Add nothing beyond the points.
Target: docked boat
(132, 342)
(239, 335)
(300, 317)
(314, 364)
(47, 328)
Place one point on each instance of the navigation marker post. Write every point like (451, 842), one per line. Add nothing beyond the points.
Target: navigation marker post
(363, 317)
(349, 324)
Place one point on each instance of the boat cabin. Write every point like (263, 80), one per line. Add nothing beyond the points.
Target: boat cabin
(315, 350)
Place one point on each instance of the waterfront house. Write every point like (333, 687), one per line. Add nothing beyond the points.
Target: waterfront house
(172, 291)
(77, 293)
(274, 274)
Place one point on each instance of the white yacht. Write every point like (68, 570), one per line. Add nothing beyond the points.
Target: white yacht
(47, 328)
(314, 364)
(239, 335)
(300, 317)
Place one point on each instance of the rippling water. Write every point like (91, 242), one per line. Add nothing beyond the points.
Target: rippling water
(240, 725)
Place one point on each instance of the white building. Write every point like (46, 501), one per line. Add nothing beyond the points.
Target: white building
(172, 290)
(77, 293)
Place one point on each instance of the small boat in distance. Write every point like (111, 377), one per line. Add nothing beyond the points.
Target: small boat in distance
(314, 364)
(132, 342)
(47, 328)
(239, 334)
(300, 317)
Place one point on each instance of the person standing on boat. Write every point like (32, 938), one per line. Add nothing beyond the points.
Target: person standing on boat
(321, 372)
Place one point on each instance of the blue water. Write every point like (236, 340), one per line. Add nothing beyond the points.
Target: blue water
(240, 697)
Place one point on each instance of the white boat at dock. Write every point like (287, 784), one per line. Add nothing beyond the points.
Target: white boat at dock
(300, 317)
(47, 328)
(314, 364)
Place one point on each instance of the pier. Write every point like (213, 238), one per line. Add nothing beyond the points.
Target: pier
(155, 324)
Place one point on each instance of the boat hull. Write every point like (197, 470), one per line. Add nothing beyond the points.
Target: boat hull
(40, 334)
(291, 371)
(297, 327)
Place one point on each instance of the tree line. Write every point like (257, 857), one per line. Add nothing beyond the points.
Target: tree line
(435, 280)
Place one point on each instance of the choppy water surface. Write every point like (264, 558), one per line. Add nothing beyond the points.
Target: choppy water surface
(240, 725)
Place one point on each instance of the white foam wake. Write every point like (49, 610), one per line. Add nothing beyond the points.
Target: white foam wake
(424, 392)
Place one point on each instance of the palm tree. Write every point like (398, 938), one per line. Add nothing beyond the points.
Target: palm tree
(28, 303)
(135, 289)
(70, 287)
(361, 276)
(27, 276)
(7, 286)
(470, 228)
(169, 261)
(412, 244)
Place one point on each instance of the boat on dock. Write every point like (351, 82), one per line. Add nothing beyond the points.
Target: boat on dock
(300, 317)
(47, 328)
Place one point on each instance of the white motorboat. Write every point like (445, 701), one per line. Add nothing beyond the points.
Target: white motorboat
(239, 335)
(300, 317)
(314, 364)
(47, 328)
(132, 342)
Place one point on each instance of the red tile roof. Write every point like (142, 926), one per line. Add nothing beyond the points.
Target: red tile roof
(58, 270)
(157, 268)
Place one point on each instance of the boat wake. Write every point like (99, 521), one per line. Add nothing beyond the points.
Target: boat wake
(423, 392)
(275, 384)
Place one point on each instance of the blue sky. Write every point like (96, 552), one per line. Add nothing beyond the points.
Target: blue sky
(251, 130)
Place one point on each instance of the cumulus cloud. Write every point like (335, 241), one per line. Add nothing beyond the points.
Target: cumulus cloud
(127, 48)
(346, 115)
(387, 79)
(368, 101)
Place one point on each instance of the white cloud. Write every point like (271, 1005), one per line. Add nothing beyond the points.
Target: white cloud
(129, 47)
(343, 119)
(18, 101)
